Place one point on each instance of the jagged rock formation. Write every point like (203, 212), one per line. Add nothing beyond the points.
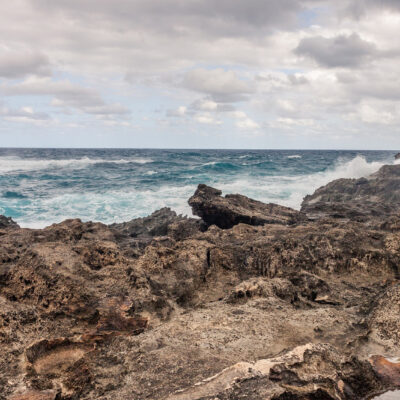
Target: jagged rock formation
(233, 209)
(7, 222)
(357, 199)
(270, 304)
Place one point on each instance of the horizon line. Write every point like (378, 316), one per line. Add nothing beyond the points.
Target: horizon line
(187, 148)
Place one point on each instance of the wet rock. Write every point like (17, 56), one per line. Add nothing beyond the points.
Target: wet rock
(225, 212)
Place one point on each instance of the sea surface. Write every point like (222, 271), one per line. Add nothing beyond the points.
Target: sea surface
(39, 187)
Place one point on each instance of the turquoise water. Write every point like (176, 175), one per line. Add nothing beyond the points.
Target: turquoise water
(42, 186)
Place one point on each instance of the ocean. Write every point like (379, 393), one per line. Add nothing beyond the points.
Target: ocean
(39, 187)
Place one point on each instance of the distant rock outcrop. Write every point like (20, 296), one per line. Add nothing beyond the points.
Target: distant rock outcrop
(362, 199)
(225, 212)
(7, 222)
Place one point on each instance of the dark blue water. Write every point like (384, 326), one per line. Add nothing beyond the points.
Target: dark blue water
(42, 186)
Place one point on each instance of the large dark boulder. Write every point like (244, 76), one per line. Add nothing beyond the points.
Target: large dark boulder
(225, 212)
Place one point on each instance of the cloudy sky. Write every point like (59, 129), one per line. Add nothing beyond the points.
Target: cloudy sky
(200, 73)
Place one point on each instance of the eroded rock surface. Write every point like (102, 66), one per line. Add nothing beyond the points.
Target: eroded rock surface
(263, 304)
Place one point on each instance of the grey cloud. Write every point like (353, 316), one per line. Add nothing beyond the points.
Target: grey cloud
(20, 64)
(223, 86)
(231, 17)
(23, 114)
(108, 109)
(373, 85)
(359, 8)
(140, 37)
(339, 51)
(296, 79)
(67, 95)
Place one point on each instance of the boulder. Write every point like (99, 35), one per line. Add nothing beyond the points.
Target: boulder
(225, 212)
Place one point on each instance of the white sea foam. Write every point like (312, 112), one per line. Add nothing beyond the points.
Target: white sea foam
(210, 163)
(294, 156)
(11, 164)
(107, 207)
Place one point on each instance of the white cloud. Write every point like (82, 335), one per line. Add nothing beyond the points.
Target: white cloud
(292, 122)
(243, 121)
(207, 118)
(247, 123)
(373, 115)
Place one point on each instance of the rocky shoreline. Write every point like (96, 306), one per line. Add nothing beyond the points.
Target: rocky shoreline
(251, 301)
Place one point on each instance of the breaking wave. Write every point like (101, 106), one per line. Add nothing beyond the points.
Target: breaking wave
(11, 164)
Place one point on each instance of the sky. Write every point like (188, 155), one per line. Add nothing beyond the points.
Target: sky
(301, 74)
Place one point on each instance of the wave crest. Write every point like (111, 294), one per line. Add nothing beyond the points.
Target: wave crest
(14, 164)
